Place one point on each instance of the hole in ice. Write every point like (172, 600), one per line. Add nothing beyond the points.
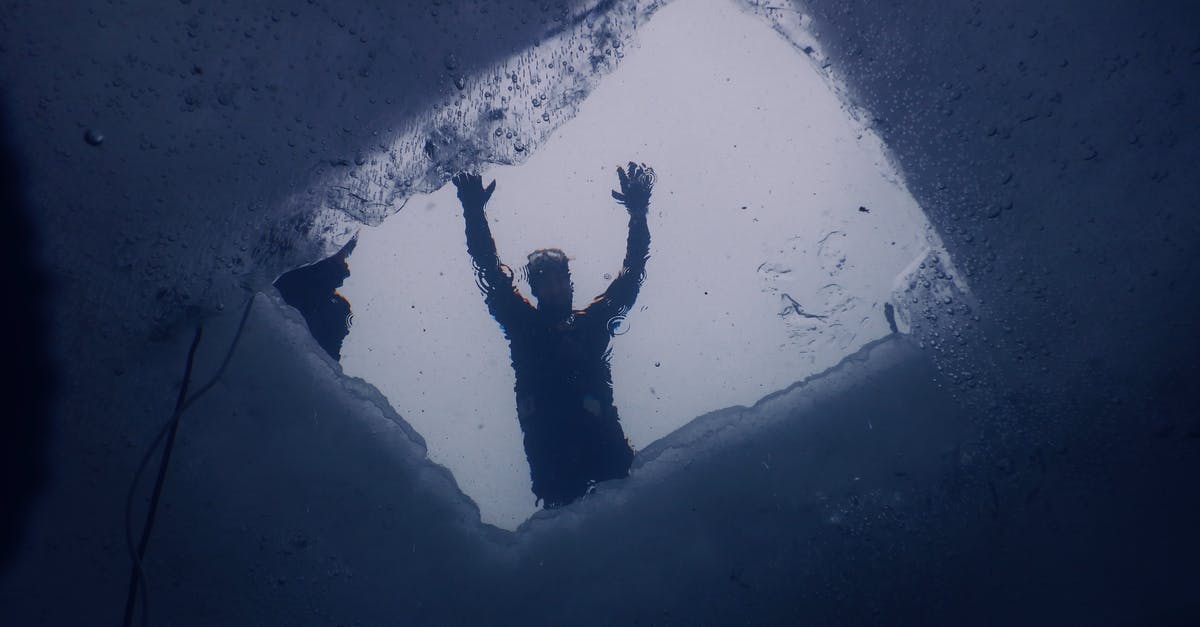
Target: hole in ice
(764, 268)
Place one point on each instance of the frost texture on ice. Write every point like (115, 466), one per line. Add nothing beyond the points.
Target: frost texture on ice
(500, 113)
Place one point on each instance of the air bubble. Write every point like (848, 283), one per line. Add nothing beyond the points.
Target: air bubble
(617, 325)
(93, 137)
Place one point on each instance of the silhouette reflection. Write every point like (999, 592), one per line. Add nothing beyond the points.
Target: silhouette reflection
(572, 433)
(313, 291)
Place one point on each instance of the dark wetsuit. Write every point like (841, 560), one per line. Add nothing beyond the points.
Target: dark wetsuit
(573, 436)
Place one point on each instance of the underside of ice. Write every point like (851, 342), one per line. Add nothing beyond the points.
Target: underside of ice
(319, 498)
(1022, 451)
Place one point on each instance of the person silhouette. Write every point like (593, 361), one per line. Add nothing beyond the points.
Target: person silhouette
(312, 290)
(572, 432)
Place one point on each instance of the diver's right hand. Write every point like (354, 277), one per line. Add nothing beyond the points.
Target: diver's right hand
(471, 192)
(635, 187)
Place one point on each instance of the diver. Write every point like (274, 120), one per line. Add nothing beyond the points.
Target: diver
(572, 433)
(312, 290)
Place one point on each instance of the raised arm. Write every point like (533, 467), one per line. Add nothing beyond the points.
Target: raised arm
(493, 278)
(635, 196)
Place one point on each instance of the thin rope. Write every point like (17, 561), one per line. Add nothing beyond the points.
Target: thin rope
(137, 575)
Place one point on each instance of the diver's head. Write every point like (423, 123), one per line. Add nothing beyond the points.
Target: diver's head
(550, 279)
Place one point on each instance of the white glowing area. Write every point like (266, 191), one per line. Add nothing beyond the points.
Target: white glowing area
(778, 230)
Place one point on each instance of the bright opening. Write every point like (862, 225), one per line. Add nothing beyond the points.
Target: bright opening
(778, 231)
